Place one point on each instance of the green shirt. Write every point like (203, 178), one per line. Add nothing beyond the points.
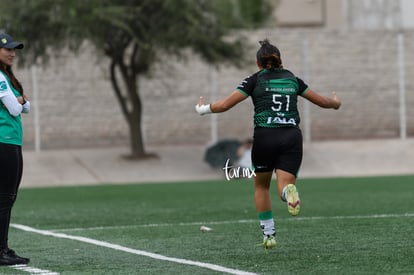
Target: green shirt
(11, 130)
(274, 94)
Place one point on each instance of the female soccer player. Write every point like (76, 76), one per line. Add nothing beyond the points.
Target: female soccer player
(13, 103)
(277, 140)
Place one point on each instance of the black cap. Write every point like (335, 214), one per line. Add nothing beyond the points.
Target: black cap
(6, 41)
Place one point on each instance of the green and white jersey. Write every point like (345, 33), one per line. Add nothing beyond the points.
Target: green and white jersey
(11, 131)
(274, 94)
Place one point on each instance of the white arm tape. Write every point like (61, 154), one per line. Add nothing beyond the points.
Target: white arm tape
(203, 109)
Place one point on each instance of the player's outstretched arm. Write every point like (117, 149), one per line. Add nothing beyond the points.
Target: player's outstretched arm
(322, 101)
(221, 105)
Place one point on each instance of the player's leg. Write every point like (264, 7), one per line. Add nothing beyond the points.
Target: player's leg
(287, 168)
(264, 208)
(287, 191)
(263, 155)
(262, 192)
(10, 175)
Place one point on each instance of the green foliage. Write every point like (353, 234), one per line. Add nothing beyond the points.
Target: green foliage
(36, 23)
(149, 26)
(244, 13)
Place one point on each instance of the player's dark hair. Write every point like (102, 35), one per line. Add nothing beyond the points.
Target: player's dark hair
(268, 56)
(7, 70)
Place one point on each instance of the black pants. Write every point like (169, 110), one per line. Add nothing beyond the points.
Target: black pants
(11, 169)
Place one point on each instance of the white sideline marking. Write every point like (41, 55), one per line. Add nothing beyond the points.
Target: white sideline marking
(33, 270)
(131, 250)
(151, 225)
(378, 216)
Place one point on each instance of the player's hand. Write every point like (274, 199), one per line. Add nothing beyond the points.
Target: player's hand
(201, 108)
(21, 100)
(337, 101)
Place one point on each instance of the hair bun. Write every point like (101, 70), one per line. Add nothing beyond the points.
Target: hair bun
(264, 42)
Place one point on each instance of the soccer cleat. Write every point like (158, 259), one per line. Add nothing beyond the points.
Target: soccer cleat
(9, 257)
(292, 199)
(269, 242)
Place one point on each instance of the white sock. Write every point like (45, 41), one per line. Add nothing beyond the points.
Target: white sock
(268, 227)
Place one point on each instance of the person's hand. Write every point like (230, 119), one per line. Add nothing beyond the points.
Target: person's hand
(201, 108)
(21, 100)
(337, 101)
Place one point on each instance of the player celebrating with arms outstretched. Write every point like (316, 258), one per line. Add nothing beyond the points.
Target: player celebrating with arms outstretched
(277, 140)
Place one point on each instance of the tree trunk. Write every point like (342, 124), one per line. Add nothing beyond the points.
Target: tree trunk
(135, 131)
(133, 115)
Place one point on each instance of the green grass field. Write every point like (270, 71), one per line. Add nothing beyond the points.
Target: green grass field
(346, 226)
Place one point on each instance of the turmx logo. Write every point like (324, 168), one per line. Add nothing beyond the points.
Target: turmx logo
(237, 172)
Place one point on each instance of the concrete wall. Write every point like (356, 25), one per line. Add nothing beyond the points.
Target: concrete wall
(77, 107)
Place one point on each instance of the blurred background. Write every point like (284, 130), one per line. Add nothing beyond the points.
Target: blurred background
(86, 95)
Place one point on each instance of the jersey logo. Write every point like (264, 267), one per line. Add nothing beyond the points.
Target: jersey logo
(3, 86)
(281, 120)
